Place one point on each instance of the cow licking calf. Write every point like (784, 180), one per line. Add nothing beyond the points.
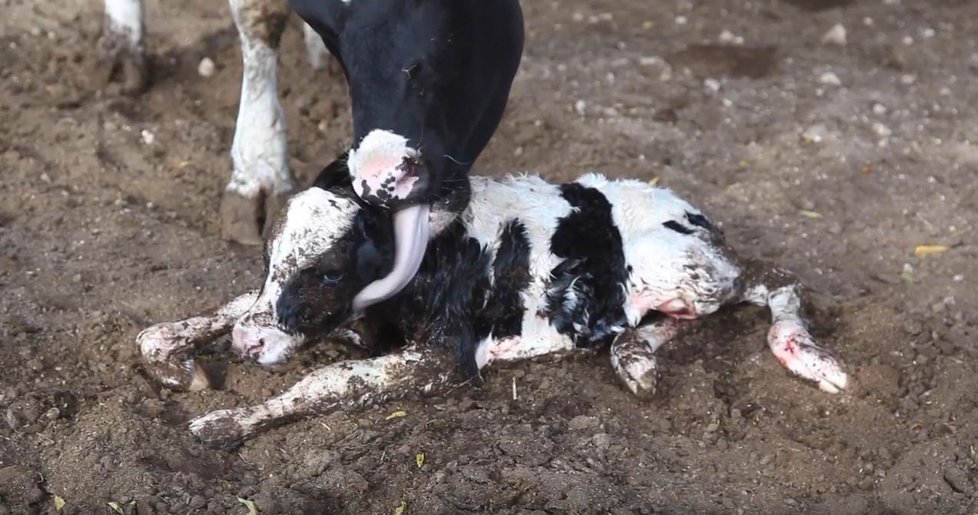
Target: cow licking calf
(528, 269)
(428, 80)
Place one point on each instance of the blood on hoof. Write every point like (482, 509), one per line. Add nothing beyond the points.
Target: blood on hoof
(795, 349)
(244, 218)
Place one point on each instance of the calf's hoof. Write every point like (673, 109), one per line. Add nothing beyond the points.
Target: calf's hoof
(221, 429)
(637, 370)
(180, 375)
(796, 350)
(243, 218)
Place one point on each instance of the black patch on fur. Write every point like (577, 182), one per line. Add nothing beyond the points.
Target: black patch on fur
(440, 305)
(586, 297)
(437, 72)
(335, 175)
(503, 313)
(360, 256)
(678, 227)
(699, 220)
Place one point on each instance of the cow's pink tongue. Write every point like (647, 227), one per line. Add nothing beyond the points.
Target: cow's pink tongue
(411, 232)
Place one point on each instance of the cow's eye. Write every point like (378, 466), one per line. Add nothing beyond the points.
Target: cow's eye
(332, 277)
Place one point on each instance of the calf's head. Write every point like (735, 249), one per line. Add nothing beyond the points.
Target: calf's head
(429, 81)
(324, 249)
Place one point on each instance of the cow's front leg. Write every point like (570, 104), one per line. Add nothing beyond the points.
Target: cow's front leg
(122, 46)
(633, 354)
(167, 348)
(348, 382)
(260, 176)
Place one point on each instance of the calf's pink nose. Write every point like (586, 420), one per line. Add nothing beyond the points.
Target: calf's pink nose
(245, 342)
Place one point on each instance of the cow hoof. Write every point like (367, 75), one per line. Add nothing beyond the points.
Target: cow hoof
(118, 63)
(243, 218)
(220, 429)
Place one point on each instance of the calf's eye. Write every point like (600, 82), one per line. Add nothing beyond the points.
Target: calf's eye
(332, 277)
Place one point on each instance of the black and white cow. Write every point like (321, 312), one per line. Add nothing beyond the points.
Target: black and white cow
(428, 79)
(528, 269)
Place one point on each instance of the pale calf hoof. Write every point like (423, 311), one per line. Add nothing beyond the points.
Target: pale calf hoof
(165, 356)
(221, 429)
(179, 375)
(243, 218)
(797, 351)
(117, 63)
(637, 370)
(200, 380)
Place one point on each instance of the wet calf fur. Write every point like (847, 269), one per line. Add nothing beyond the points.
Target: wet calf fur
(529, 268)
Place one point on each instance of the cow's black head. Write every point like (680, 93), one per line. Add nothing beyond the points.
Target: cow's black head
(429, 81)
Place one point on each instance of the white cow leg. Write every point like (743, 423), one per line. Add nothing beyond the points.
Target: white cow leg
(122, 47)
(260, 176)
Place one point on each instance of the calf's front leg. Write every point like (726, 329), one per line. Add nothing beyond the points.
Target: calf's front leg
(788, 338)
(167, 347)
(633, 354)
(348, 382)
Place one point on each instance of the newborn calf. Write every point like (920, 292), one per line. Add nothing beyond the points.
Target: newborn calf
(529, 268)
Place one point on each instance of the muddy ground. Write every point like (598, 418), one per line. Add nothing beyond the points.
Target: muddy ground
(835, 160)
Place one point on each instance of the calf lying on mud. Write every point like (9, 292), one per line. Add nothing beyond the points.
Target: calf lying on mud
(528, 269)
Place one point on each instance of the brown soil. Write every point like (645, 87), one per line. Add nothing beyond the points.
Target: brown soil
(102, 234)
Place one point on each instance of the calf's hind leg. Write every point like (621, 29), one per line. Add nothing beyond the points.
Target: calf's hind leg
(354, 382)
(167, 347)
(788, 337)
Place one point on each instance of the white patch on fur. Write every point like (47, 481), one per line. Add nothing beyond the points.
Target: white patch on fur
(315, 48)
(125, 17)
(664, 262)
(258, 151)
(314, 220)
(539, 206)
